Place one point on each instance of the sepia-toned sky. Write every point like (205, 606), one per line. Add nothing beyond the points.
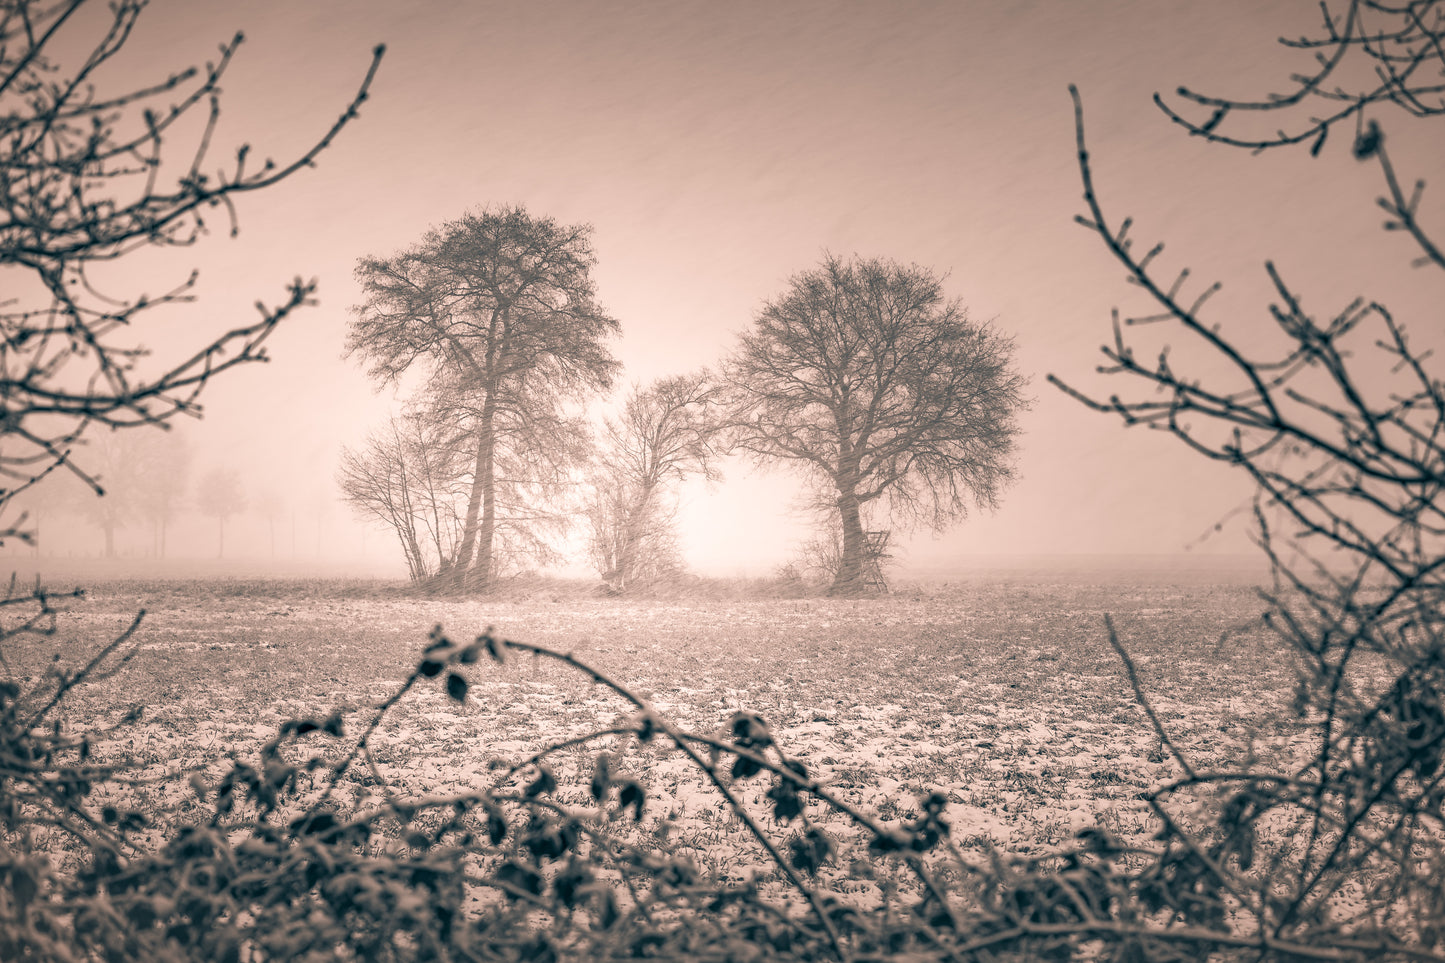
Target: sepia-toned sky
(718, 148)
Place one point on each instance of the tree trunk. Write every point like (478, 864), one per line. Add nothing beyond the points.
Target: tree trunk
(415, 560)
(848, 580)
(481, 522)
(220, 536)
(481, 579)
(109, 541)
(404, 526)
(632, 534)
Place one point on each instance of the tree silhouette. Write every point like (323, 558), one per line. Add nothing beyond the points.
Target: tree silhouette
(498, 310)
(163, 464)
(867, 377)
(88, 176)
(118, 470)
(219, 495)
(404, 477)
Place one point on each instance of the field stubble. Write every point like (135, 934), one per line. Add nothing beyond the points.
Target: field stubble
(1004, 695)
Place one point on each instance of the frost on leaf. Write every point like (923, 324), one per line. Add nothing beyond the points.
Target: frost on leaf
(544, 783)
(631, 794)
(456, 687)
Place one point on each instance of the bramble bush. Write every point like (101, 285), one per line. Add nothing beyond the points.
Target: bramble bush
(563, 856)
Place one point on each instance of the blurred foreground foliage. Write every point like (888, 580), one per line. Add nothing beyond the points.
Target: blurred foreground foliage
(305, 850)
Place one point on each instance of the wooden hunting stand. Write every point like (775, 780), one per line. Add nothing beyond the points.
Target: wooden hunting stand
(875, 554)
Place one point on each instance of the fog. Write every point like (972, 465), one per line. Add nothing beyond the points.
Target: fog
(717, 149)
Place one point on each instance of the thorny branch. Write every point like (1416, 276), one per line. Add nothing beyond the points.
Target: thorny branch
(1349, 469)
(87, 178)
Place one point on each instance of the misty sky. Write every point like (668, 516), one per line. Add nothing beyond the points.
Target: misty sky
(718, 148)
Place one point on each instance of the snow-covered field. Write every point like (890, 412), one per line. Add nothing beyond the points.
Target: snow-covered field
(1002, 694)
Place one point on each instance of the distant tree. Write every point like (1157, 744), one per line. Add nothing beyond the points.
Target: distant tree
(219, 495)
(270, 505)
(89, 177)
(664, 433)
(118, 464)
(90, 174)
(117, 472)
(44, 509)
(865, 376)
(497, 309)
(142, 476)
(163, 465)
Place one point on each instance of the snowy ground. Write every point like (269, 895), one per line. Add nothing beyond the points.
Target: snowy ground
(1004, 695)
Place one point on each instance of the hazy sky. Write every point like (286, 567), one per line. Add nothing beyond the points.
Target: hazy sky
(718, 148)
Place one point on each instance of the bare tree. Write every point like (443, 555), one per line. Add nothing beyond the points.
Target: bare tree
(539, 453)
(498, 309)
(270, 504)
(864, 374)
(118, 469)
(664, 433)
(1341, 427)
(163, 464)
(44, 509)
(143, 474)
(219, 495)
(89, 177)
(819, 556)
(405, 478)
(414, 476)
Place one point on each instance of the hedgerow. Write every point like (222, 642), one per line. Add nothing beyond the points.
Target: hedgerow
(564, 856)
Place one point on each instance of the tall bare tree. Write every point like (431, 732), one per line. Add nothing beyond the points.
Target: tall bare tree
(498, 310)
(864, 374)
(540, 451)
(664, 433)
(87, 177)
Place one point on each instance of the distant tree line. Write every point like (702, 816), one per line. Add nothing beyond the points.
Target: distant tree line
(148, 483)
(895, 407)
(88, 179)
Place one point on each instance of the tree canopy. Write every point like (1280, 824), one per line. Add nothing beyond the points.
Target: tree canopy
(496, 311)
(868, 377)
